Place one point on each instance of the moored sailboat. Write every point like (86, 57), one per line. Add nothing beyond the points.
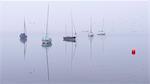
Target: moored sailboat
(71, 38)
(23, 35)
(46, 40)
(90, 34)
(101, 32)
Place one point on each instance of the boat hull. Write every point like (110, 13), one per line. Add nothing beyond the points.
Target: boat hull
(101, 33)
(23, 40)
(46, 43)
(23, 36)
(70, 38)
(90, 35)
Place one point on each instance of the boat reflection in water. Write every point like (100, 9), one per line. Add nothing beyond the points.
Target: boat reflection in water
(102, 44)
(24, 41)
(47, 46)
(91, 45)
(73, 51)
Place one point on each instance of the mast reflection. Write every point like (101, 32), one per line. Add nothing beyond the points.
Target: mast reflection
(73, 51)
(91, 46)
(47, 46)
(24, 41)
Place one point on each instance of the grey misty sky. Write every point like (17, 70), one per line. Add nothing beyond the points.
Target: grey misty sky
(119, 17)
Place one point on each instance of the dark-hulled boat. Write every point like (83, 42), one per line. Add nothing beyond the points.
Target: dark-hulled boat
(23, 35)
(73, 37)
(70, 38)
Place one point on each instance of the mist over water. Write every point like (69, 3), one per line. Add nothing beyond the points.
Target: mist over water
(98, 60)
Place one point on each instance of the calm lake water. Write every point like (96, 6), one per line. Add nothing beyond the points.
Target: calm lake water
(98, 60)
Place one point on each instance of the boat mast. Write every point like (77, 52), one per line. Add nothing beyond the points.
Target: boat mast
(90, 24)
(91, 39)
(24, 26)
(25, 47)
(66, 29)
(47, 62)
(47, 20)
(103, 25)
(73, 53)
(72, 23)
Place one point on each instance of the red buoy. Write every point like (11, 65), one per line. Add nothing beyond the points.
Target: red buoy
(133, 51)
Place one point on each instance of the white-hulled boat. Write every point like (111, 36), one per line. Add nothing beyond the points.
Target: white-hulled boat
(90, 34)
(101, 32)
(46, 40)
